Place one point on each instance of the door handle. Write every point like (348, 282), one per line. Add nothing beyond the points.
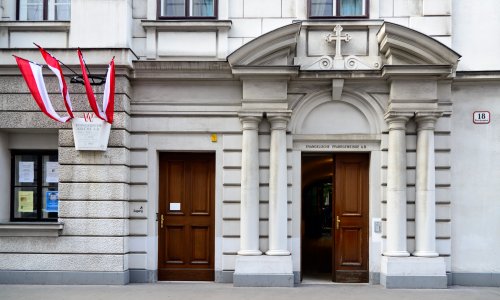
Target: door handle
(162, 218)
(338, 223)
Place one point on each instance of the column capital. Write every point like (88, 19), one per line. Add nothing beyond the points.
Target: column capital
(397, 120)
(427, 120)
(250, 120)
(279, 120)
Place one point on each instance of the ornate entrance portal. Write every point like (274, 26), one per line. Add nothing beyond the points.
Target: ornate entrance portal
(335, 216)
(381, 95)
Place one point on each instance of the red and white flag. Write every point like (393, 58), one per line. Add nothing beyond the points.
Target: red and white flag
(108, 102)
(54, 65)
(33, 76)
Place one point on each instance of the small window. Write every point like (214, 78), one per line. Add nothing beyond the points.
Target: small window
(338, 8)
(34, 181)
(181, 9)
(43, 10)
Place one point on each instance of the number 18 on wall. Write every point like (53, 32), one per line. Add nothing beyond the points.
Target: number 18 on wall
(481, 117)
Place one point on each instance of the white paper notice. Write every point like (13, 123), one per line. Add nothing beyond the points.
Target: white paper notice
(26, 171)
(52, 171)
(175, 206)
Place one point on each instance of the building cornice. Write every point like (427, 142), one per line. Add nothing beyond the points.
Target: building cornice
(181, 70)
(36, 25)
(477, 76)
(186, 25)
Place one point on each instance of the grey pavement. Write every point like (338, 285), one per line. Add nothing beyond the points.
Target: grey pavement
(220, 291)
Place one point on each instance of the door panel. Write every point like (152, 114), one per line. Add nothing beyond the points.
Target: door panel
(201, 194)
(175, 182)
(351, 218)
(351, 241)
(351, 190)
(200, 244)
(173, 249)
(186, 216)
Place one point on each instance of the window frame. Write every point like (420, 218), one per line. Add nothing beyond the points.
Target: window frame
(186, 12)
(337, 10)
(39, 184)
(45, 14)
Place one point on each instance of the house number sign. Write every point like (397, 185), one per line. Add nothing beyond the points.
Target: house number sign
(481, 117)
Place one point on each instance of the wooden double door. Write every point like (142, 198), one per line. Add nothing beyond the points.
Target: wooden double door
(335, 216)
(186, 216)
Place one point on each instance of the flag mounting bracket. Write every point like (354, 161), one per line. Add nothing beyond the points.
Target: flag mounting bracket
(94, 79)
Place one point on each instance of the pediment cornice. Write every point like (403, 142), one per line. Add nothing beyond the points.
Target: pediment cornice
(275, 48)
(404, 46)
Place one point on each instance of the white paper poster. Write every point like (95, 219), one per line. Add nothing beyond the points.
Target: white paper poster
(26, 171)
(52, 172)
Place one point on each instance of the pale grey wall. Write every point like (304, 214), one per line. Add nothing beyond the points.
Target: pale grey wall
(475, 173)
(476, 28)
(98, 24)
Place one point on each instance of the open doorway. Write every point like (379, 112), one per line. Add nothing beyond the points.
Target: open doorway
(335, 216)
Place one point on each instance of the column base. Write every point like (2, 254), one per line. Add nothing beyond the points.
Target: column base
(278, 252)
(263, 271)
(396, 253)
(250, 252)
(413, 272)
(425, 254)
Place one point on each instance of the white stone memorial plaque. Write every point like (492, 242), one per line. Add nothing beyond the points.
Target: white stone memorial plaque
(91, 134)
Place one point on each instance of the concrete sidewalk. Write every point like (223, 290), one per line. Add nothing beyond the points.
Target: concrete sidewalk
(209, 291)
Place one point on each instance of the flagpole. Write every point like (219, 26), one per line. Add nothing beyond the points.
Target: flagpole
(57, 59)
(40, 65)
(86, 67)
(68, 68)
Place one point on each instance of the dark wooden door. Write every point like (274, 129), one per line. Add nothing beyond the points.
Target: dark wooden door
(186, 216)
(350, 255)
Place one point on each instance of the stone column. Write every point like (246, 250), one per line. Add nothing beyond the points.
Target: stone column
(396, 185)
(278, 219)
(249, 215)
(425, 205)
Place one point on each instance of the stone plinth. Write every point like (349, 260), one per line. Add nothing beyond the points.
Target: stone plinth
(413, 272)
(263, 271)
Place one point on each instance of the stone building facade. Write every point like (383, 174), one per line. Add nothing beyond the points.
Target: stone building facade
(259, 144)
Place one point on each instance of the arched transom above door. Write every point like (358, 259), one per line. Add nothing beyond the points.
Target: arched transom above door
(353, 113)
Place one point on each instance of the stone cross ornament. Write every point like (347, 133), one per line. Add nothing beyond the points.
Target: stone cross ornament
(338, 60)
